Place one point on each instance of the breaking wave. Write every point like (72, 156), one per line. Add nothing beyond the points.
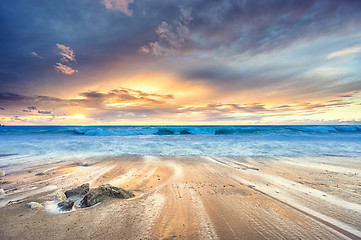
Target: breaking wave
(217, 130)
(181, 130)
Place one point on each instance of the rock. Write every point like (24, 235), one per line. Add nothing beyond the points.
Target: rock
(40, 174)
(184, 132)
(15, 202)
(2, 173)
(2, 192)
(44, 173)
(33, 205)
(97, 195)
(81, 190)
(66, 205)
(82, 164)
(164, 131)
(60, 196)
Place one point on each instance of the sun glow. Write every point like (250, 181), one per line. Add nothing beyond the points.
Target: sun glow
(78, 116)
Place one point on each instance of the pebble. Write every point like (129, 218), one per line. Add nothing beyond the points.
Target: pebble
(40, 174)
(60, 196)
(2, 173)
(33, 205)
(2, 192)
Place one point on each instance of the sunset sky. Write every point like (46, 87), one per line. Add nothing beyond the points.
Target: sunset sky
(130, 62)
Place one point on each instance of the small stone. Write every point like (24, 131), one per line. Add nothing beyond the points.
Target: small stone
(60, 196)
(2, 173)
(66, 205)
(40, 174)
(2, 192)
(82, 164)
(33, 205)
(81, 190)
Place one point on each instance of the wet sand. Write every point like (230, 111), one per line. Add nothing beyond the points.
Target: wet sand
(190, 198)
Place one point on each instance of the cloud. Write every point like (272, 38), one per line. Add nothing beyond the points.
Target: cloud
(91, 99)
(36, 55)
(44, 112)
(345, 52)
(67, 56)
(263, 110)
(64, 69)
(172, 37)
(125, 104)
(123, 97)
(66, 53)
(234, 52)
(120, 5)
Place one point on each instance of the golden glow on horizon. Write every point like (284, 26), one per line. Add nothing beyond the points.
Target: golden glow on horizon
(159, 83)
(78, 116)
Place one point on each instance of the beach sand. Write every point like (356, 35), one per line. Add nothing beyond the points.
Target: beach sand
(190, 198)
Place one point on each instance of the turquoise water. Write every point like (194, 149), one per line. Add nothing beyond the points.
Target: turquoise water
(26, 146)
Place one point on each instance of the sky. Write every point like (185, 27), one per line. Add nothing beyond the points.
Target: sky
(184, 62)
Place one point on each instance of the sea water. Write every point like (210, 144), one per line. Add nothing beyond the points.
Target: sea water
(23, 146)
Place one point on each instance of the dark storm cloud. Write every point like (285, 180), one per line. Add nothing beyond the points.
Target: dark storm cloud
(86, 26)
(253, 26)
(99, 35)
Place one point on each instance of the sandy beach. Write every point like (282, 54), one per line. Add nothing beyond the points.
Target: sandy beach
(189, 198)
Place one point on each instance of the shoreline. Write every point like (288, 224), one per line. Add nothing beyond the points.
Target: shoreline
(184, 197)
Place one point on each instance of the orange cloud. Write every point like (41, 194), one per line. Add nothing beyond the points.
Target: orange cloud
(66, 53)
(64, 69)
(120, 5)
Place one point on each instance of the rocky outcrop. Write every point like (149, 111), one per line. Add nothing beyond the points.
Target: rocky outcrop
(66, 205)
(81, 190)
(97, 195)
(33, 205)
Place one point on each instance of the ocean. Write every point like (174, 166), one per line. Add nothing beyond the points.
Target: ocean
(25, 146)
